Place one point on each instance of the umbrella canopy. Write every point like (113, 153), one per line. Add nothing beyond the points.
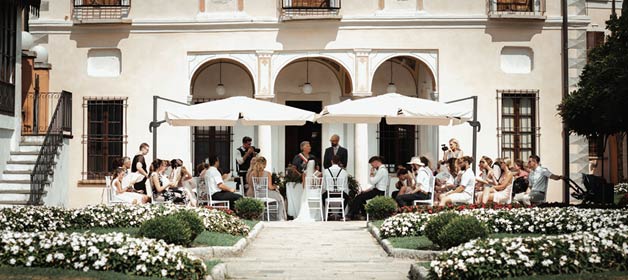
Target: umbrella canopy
(237, 110)
(397, 109)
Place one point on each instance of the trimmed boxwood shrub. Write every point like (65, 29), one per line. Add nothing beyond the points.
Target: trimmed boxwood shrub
(436, 224)
(249, 208)
(460, 230)
(169, 228)
(192, 220)
(381, 207)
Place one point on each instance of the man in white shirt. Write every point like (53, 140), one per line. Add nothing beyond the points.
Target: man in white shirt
(538, 182)
(463, 194)
(337, 176)
(424, 183)
(217, 189)
(379, 182)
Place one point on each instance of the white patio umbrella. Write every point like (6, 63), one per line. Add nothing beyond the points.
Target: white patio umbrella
(397, 109)
(237, 110)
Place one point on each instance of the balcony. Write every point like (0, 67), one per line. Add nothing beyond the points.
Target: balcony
(310, 9)
(101, 11)
(516, 9)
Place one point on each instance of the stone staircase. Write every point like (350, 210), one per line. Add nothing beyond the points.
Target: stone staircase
(15, 180)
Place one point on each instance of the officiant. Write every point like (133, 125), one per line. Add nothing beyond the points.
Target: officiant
(335, 150)
(301, 159)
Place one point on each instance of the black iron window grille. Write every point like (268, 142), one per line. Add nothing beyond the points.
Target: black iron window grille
(8, 33)
(520, 7)
(105, 138)
(86, 10)
(212, 140)
(397, 144)
(310, 7)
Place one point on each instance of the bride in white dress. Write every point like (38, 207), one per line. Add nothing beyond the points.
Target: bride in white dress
(304, 212)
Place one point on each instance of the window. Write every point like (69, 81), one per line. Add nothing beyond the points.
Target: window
(8, 33)
(397, 144)
(95, 10)
(518, 124)
(310, 7)
(594, 39)
(212, 140)
(105, 140)
(515, 5)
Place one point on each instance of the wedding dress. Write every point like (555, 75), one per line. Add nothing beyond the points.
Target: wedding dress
(304, 212)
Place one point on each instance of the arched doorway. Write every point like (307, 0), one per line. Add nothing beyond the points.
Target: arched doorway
(330, 83)
(398, 143)
(206, 83)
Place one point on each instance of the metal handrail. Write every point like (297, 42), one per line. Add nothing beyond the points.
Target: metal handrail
(311, 4)
(60, 123)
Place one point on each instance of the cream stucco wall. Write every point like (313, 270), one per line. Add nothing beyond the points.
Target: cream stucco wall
(158, 47)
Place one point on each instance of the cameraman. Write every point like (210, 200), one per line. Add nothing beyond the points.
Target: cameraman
(244, 154)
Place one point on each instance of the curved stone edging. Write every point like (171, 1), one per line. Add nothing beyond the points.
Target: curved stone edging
(219, 272)
(418, 272)
(226, 251)
(425, 255)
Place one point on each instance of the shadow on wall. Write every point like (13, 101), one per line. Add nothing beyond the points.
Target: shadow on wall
(85, 37)
(513, 31)
(307, 35)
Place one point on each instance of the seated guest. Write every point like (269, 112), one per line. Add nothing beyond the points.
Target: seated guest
(336, 174)
(259, 166)
(406, 182)
(163, 189)
(447, 180)
(218, 190)
(538, 180)
(130, 178)
(249, 186)
(486, 179)
(519, 170)
(182, 178)
(126, 194)
(464, 192)
(424, 187)
(502, 191)
(379, 182)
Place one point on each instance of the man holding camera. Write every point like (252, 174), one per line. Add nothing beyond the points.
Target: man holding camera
(244, 154)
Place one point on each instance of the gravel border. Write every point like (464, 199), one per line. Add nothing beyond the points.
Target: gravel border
(423, 255)
(214, 252)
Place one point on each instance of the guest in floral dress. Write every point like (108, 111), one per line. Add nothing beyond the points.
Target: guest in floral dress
(163, 189)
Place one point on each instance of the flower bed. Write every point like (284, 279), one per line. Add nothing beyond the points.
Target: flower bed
(602, 250)
(109, 252)
(34, 219)
(451, 207)
(519, 220)
(621, 188)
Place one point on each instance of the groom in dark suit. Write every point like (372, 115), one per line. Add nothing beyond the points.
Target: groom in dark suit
(335, 150)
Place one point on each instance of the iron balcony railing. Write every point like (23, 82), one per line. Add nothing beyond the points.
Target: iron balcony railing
(310, 7)
(516, 7)
(95, 10)
(7, 99)
(37, 110)
(60, 127)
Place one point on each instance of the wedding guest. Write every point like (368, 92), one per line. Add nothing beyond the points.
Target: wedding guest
(218, 190)
(406, 182)
(139, 165)
(127, 193)
(243, 157)
(248, 187)
(164, 189)
(183, 179)
(378, 180)
(201, 187)
(538, 180)
(424, 181)
(502, 191)
(258, 170)
(464, 192)
(454, 150)
(448, 179)
(519, 169)
(486, 178)
(299, 162)
(336, 174)
(335, 150)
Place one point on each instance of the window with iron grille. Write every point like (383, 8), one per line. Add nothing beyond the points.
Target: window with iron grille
(519, 127)
(104, 138)
(8, 33)
(397, 144)
(212, 140)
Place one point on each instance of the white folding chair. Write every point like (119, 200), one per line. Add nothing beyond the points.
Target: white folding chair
(204, 196)
(335, 195)
(111, 192)
(260, 186)
(429, 201)
(314, 189)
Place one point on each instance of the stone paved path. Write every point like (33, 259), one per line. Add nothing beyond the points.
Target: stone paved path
(328, 250)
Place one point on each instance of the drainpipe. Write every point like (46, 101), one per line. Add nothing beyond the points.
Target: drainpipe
(565, 94)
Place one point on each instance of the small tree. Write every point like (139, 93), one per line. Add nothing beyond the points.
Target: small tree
(599, 108)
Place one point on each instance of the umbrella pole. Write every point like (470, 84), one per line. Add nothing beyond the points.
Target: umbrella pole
(475, 124)
(152, 127)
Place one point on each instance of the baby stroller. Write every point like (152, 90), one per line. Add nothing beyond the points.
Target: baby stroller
(596, 190)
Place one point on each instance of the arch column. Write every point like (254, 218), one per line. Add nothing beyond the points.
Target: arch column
(265, 143)
(361, 146)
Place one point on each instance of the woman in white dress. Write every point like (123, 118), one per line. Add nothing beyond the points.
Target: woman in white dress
(502, 192)
(126, 194)
(304, 210)
(258, 170)
(486, 178)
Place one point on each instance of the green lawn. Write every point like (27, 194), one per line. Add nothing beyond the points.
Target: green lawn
(210, 264)
(378, 223)
(41, 273)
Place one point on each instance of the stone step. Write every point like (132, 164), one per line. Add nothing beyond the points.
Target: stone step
(9, 204)
(15, 186)
(14, 196)
(28, 138)
(23, 157)
(19, 167)
(34, 149)
(16, 176)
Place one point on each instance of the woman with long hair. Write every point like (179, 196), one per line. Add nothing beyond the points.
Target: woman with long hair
(424, 184)
(126, 193)
(454, 150)
(163, 189)
(485, 179)
(503, 190)
(258, 171)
